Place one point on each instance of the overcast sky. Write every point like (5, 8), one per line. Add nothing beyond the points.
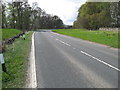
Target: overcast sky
(67, 10)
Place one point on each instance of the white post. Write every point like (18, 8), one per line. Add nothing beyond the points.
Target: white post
(24, 36)
(2, 58)
(2, 62)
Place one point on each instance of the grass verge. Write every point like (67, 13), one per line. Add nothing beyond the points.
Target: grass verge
(16, 58)
(109, 38)
(8, 33)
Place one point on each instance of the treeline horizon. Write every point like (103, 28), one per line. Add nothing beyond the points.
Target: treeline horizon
(95, 15)
(20, 15)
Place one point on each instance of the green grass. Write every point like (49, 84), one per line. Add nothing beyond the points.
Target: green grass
(0, 77)
(16, 58)
(8, 33)
(109, 38)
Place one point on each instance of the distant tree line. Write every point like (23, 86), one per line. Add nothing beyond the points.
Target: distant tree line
(20, 15)
(94, 15)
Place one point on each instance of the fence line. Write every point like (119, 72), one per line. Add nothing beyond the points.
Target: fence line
(110, 29)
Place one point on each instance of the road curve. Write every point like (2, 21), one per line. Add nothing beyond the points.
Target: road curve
(67, 62)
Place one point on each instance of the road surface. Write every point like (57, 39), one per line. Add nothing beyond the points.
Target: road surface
(67, 62)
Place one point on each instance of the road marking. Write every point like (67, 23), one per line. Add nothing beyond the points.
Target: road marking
(63, 42)
(51, 36)
(32, 64)
(74, 48)
(100, 60)
(56, 39)
(55, 33)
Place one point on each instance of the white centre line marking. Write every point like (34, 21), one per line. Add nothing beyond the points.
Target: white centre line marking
(63, 42)
(100, 60)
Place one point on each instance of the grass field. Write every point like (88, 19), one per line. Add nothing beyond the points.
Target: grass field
(109, 38)
(8, 33)
(16, 58)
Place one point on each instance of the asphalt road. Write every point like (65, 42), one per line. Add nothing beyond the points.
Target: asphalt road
(67, 62)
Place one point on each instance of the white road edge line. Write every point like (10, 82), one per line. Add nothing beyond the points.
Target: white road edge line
(63, 42)
(33, 67)
(100, 60)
